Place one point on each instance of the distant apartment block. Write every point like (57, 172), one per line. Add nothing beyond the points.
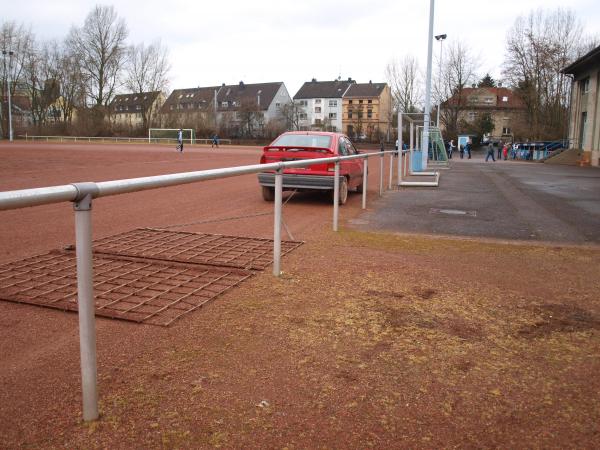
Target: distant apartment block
(240, 109)
(136, 111)
(505, 108)
(320, 104)
(367, 111)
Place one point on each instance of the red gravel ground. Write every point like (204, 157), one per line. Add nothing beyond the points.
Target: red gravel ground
(367, 340)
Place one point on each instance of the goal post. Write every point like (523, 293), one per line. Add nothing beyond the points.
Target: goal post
(168, 135)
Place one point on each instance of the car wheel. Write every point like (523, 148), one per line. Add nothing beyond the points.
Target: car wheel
(343, 191)
(268, 193)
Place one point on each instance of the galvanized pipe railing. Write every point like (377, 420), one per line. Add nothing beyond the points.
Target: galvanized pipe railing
(82, 195)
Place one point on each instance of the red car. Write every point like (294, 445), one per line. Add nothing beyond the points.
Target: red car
(295, 145)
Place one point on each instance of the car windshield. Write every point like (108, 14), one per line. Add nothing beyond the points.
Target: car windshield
(303, 140)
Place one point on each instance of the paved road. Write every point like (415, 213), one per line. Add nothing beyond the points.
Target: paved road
(505, 199)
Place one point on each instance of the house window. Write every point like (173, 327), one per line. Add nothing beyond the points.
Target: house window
(472, 116)
(504, 99)
(349, 102)
(489, 100)
(277, 105)
(317, 121)
(224, 104)
(333, 115)
(302, 116)
(369, 113)
(369, 101)
(317, 101)
(360, 101)
(332, 103)
(585, 85)
(317, 109)
(349, 114)
(505, 130)
(360, 114)
(138, 107)
(303, 103)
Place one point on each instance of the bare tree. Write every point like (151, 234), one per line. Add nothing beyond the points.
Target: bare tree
(406, 83)
(538, 47)
(291, 113)
(147, 71)
(19, 40)
(100, 48)
(458, 72)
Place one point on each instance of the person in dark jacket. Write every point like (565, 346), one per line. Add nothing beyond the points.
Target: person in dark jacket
(490, 152)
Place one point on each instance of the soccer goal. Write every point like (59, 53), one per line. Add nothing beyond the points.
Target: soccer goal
(169, 135)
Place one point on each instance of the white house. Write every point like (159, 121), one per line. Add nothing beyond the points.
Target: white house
(320, 104)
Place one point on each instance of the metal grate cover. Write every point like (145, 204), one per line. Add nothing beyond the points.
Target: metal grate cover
(199, 248)
(124, 288)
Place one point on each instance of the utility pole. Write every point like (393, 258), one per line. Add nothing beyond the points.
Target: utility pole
(425, 145)
(10, 53)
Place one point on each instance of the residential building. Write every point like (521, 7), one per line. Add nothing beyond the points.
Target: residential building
(190, 108)
(240, 109)
(135, 111)
(584, 120)
(252, 110)
(505, 109)
(367, 111)
(319, 104)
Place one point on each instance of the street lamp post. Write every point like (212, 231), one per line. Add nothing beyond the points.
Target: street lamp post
(440, 37)
(10, 53)
(427, 115)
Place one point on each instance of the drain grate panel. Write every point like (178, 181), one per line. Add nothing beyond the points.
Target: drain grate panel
(199, 248)
(133, 289)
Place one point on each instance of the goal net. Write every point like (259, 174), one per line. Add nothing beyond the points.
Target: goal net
(169, 135)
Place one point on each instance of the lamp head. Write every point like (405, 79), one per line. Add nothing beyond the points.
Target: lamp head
(440, 37)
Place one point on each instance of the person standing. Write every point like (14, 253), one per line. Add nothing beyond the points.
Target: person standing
(461, 151)
(505, 151)
(490, 152)
(452, 147)
(468, 148)
(215, 141)
(499, 150)
(180, 140)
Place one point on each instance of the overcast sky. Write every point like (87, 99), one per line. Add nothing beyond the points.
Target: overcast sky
(293, 41)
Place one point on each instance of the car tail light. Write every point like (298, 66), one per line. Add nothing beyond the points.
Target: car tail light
(331, 167)
(263, 159)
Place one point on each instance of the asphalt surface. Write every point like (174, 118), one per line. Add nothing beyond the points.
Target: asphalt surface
(502, 199)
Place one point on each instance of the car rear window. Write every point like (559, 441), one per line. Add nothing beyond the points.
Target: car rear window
(303, 140)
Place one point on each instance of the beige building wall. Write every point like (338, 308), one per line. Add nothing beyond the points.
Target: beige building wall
(586, 137)
(381, 114)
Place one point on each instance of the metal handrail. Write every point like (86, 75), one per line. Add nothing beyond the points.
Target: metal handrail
(70, 192)
(82, 194)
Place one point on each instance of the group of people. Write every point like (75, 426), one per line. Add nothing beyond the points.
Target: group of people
(451, 148)
(214, 143)
(504, 151)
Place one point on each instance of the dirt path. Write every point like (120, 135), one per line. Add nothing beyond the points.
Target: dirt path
(368, 340)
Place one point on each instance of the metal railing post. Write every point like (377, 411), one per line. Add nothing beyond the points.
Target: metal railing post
(381, 175)
(85, 300)
(391, 171)
(336, 195)
(365, 178)
(400, 147)
(277, 223)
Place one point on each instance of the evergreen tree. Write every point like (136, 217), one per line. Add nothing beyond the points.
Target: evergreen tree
(487, 81)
